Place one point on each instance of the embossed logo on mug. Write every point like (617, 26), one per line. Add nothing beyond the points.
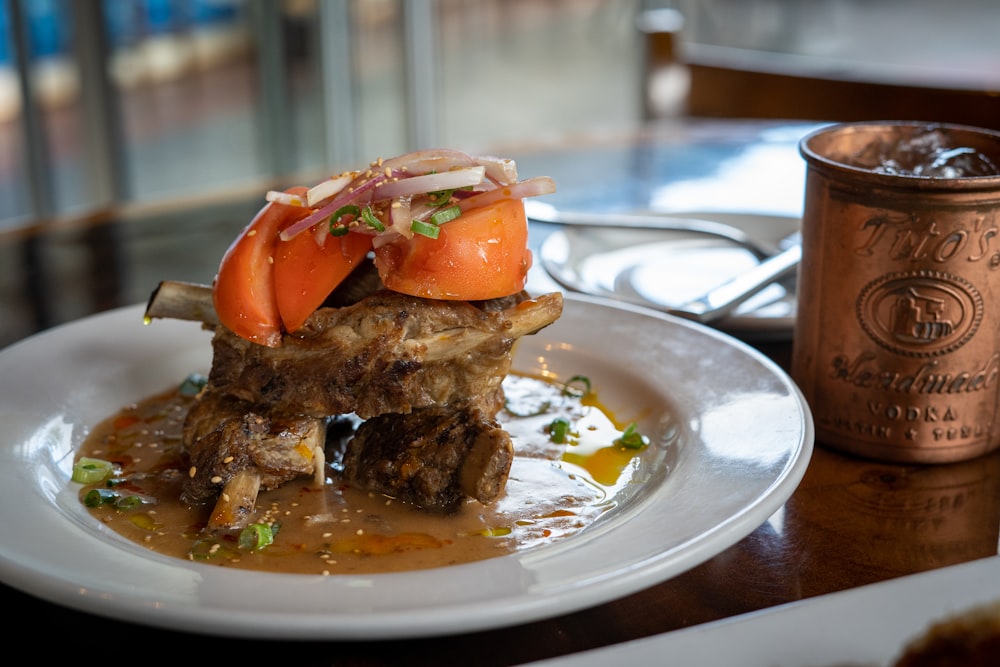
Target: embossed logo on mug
(920, 313)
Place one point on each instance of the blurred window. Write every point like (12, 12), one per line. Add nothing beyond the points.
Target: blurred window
(141, 102)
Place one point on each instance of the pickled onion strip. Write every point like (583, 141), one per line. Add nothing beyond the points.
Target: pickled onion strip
(531, 187)
(433, 182)
(328, 188)
(408, 188)
(286, 198)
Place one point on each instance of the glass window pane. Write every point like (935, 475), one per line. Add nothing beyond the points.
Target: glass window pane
(522, 70)
(186, 80)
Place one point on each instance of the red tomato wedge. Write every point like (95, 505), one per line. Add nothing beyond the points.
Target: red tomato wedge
(305, 272)
(482, 254)
(243, 291)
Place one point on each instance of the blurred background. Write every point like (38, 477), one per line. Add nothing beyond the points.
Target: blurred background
(110, 102)
(180, 113)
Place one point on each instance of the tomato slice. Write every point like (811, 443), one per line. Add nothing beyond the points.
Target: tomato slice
(483, 254)
(243, 290)
(305, 272)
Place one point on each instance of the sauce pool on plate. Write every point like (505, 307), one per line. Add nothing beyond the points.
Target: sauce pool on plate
(571, 460)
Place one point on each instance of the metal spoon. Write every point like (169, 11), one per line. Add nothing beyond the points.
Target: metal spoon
(722, 300)
(717, 302)
(542, 212)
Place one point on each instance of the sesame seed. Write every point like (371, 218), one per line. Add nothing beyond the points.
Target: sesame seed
(192, 471)
(228, 459)
(216, 479)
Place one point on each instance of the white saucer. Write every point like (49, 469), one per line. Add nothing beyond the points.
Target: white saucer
(664, 269)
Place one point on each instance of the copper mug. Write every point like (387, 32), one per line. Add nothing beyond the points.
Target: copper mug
(897, 333)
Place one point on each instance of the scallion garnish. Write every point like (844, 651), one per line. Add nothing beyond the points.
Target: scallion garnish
(631, 438)
(256, 536)
(440, 197)
(337, 229)
(540, 409)
(446, 215)
(130, 502)
(98, 497)
(88, 470)
(208, 549)
(427, 229)
(570, 390)
(559, 430)
(368, 215)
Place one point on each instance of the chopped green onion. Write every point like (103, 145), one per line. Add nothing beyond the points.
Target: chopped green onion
(368, 215)
(631, 438)
(209, 548)
(256, 536)
(440, 197)
(569, 390)
(130, 502)
(539, 409)
(559, 430)
(98, 497)
(446, 215)
(427, 229)
(193, 384)
(89, 471)
(337, 229)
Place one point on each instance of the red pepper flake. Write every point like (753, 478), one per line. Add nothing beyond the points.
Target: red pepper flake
(125, 421)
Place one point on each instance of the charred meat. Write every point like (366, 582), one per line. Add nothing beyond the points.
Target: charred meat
(389, 353)
(235, 450)
(425, 375)
(431, 457)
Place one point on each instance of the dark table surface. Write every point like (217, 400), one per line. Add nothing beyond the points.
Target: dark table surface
(851, 521)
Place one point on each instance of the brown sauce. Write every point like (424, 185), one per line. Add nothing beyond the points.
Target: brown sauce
(554, 490)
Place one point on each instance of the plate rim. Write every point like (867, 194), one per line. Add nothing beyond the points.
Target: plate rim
(167, 611)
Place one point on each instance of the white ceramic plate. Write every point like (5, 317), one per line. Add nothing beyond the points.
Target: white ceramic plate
(862, 627)
(664, 269)
(743, 439)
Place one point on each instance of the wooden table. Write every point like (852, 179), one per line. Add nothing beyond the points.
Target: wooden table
(851, 522)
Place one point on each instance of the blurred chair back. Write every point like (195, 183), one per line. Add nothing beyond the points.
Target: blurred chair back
(739, 83)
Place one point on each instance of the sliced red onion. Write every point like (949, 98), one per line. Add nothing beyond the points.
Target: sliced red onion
(531, 187)
(434, 182)
(412, 175)
(423, 210)
(328, 188)
(284, 198)
(501, 170)
(359, 196)
(400, 216)
(387, 236)
(426, 161)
